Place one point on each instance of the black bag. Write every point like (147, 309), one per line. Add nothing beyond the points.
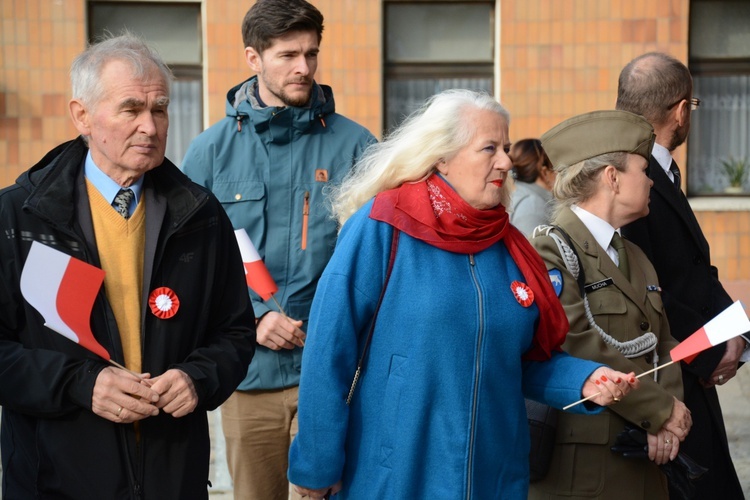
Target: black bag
(542, 429)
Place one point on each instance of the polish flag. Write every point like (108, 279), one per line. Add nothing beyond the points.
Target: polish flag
(728, 324)
(63, 289)
(256, 272)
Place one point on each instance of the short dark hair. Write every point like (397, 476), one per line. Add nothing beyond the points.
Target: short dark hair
(270, 19)
(652, 82)
(526, 154)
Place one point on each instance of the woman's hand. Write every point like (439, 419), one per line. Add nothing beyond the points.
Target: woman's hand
(320, 493)
(663, 447)
(680, 421)
(611, 385)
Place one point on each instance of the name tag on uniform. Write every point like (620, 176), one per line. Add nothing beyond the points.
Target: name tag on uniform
(599, 284)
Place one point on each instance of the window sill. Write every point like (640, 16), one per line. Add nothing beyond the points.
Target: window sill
(720, 204)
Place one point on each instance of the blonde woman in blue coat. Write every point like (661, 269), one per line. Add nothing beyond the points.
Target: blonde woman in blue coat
(468, 324)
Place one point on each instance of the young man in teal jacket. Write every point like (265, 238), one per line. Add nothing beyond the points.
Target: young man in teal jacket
(269, 163)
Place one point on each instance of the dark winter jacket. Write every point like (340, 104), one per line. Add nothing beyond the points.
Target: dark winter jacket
(53, 445)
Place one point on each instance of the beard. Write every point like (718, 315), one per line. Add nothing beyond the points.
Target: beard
(296, 100)
(678, 137)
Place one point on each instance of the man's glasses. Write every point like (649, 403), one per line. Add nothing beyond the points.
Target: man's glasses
(694, 103)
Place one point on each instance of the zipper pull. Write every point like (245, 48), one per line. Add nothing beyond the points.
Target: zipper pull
(305, 219)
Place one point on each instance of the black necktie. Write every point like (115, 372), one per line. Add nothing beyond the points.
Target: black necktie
(675, 173)
(122, 201)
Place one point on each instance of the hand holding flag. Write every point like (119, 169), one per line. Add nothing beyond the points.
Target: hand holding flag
(63, 289)
(728, 324)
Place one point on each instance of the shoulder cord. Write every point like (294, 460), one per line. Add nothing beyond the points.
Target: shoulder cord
(631, 348)
(360, 363)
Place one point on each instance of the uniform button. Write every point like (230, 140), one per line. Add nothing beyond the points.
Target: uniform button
(644, 325)
(645, 424)
(238, 196)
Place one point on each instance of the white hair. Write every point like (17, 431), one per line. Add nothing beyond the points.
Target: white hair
(86, 69)
(437, 130)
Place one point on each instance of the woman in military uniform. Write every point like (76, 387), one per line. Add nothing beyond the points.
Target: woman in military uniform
(612, 300)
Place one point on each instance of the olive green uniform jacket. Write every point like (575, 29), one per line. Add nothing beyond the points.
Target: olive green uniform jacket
(583, 466)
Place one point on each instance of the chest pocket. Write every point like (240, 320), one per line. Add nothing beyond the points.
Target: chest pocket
(609, 306)
(243, 200)
(654, 299)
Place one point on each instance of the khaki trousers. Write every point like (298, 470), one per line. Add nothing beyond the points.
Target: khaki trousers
(259, 427)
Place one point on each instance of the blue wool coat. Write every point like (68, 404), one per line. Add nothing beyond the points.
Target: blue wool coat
(439, 410)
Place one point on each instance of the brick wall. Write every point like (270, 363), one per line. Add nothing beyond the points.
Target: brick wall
(40, 38)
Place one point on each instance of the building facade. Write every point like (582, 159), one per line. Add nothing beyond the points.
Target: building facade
(545, 60)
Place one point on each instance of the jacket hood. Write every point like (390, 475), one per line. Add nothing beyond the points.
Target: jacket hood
(242, 105)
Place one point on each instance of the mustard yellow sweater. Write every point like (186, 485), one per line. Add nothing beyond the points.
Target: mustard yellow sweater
(121, 245)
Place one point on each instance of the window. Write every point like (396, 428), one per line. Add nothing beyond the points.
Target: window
(174, 29)
(720, 64)
(433, 46)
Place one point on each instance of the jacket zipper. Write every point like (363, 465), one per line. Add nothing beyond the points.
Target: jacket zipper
(305, 218)
(472, 437)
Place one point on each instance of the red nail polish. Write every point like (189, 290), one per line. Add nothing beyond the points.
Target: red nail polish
(597, 382)
(632, 380)
(618, 380)
(604, 378)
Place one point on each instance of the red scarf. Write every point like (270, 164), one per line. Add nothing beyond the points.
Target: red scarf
(431, 211)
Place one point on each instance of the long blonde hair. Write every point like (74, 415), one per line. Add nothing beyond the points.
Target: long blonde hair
(437, 130)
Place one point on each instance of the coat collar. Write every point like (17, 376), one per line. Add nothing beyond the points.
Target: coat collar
(635, 288)
(53, 185)
(665, 188)
(272, 122)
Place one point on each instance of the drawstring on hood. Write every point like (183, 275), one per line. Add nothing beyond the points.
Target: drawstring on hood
(243, 104)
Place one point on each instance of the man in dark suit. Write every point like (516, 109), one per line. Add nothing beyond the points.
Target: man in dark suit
(660, 88)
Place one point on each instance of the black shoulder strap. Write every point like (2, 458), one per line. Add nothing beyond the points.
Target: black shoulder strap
(360, 364)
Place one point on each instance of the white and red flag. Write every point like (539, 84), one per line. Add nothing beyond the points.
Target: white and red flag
(731, 322)
(63, 289)
(256, 273)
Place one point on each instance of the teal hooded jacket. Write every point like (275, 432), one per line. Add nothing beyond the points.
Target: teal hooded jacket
(270, 167)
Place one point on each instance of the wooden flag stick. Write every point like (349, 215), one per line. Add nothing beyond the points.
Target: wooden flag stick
(598, 393)
(118, 365)
(279, 306)
(108, 359)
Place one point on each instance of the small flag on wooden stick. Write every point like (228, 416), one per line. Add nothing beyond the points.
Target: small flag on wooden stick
(256, 273)
(731, 322)
(728, 324)
(63, 289)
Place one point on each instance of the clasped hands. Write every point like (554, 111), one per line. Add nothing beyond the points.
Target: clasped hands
(122, 397)
(665, 444)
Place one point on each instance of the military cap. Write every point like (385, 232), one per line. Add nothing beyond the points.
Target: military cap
(596, 133)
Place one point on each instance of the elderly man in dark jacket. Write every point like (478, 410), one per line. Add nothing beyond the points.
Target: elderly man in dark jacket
(73, 426)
